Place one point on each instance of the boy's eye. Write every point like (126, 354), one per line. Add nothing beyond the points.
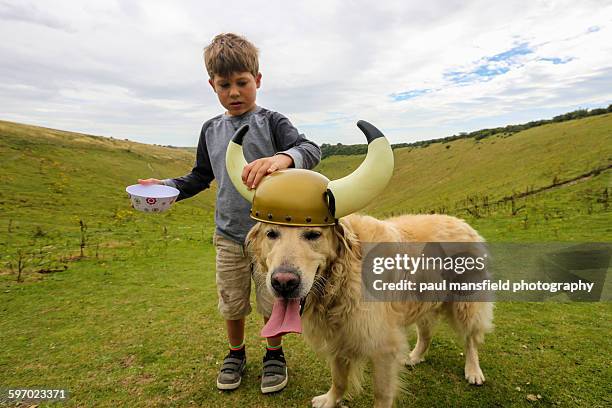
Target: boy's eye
(224, 85)
(312, 235)
(242, 83)
(272, 234)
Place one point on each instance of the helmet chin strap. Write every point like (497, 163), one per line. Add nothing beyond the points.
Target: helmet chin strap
(331, 202)
(302, 303)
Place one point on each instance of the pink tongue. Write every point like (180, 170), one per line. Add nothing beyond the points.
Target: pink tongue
(285, 318)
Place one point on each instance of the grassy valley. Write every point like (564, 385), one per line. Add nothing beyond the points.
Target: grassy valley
(120, 306)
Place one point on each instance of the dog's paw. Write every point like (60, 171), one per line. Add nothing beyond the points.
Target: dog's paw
(413, 360)
(474, 375)
(323, 401)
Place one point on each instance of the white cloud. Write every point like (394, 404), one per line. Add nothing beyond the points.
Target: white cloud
(134, 70)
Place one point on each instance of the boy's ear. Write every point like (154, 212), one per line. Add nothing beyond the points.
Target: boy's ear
(212, 84)
(258, 79)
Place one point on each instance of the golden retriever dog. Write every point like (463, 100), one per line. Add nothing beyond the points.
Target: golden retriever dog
(322, 265)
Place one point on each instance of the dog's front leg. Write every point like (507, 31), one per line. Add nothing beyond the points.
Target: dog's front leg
(473, 373)
(340, 368)
(386, 370)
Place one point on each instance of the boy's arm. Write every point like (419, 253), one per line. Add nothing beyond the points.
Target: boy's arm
(201, 175)
(293, 150)
(289, 141)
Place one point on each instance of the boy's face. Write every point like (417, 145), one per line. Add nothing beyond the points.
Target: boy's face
(237, 93)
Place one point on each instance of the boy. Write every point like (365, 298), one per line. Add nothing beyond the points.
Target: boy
(271, 144)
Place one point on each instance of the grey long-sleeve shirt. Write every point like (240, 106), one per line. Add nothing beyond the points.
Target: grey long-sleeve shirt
(269, 133)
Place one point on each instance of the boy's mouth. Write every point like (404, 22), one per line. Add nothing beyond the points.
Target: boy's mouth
(235, 104)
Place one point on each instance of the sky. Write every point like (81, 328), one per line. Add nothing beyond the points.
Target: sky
(416, 70)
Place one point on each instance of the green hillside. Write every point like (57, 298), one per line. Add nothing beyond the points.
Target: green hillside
(51, 180)
(49, 169)
(476, 179)
(119, 306)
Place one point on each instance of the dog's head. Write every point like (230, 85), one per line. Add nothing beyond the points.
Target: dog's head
(300, 211)
(292, 259)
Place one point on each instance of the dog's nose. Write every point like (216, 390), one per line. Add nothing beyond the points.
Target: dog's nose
(285, 283)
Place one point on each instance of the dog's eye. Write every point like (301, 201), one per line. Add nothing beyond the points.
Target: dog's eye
(272, 234)
(312, 235)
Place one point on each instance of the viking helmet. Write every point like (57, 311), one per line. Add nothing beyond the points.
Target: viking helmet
(306, 198)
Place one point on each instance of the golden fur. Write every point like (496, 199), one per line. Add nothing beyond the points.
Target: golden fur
(347, 330)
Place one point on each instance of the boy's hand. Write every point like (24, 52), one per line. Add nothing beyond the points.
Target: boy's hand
(257, 169)
(149, 181)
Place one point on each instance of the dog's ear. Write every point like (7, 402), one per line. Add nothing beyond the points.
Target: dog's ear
(340, 274)
(252, 241)
(253, 246)
(348, 242)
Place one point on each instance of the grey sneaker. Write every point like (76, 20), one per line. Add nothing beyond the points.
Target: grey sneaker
(230, 374)
(274, 377)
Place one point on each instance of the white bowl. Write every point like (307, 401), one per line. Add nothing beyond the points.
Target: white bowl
(152, 197)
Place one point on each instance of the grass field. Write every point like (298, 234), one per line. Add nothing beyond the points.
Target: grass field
(133, 322)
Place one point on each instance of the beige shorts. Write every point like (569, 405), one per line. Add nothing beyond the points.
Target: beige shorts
(233, 275)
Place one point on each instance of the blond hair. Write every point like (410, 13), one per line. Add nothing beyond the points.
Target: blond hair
(229, 53)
